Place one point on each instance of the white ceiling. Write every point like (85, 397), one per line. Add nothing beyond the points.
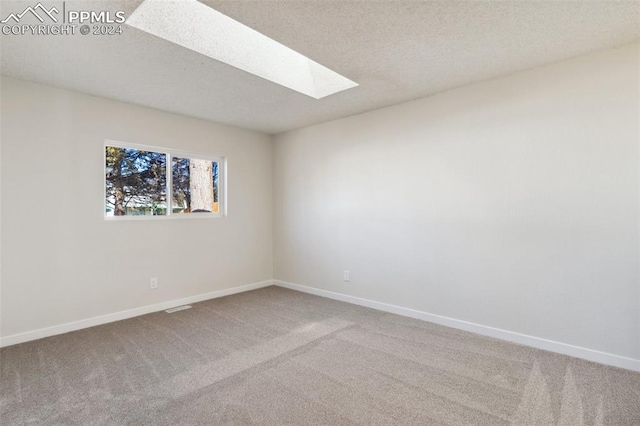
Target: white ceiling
(395, 50)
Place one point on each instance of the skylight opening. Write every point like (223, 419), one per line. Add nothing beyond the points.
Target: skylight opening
(197, 27)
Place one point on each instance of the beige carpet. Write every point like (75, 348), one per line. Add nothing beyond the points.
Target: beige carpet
(279, 357)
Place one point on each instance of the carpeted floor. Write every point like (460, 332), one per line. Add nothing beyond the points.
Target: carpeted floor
(279, 357)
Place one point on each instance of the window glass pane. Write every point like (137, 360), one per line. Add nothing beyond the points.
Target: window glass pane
(136, 182)
(195, 185)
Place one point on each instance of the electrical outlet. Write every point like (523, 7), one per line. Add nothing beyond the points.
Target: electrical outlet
(346, 276)
(153, 283)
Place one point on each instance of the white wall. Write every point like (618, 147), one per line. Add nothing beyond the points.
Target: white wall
(512, 203)
(62, 262)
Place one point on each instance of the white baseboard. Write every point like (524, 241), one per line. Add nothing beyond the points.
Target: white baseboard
(117, 316)
(523, 339)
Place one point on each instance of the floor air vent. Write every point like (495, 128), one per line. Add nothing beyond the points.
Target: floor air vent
(178, 308)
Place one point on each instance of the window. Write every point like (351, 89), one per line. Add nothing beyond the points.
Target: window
(136, 182)
(138, 178)
(194, 185)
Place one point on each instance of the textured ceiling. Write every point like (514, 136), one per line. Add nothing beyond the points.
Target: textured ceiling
(395, 50)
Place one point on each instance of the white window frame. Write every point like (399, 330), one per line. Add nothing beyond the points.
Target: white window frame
(170, 153)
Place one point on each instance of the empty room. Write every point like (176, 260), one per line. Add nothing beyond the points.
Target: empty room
(320, 212)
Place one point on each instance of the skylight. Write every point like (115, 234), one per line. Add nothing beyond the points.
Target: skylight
(195, 26)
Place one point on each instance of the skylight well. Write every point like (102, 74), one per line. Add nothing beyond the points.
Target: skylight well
(195, 26)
